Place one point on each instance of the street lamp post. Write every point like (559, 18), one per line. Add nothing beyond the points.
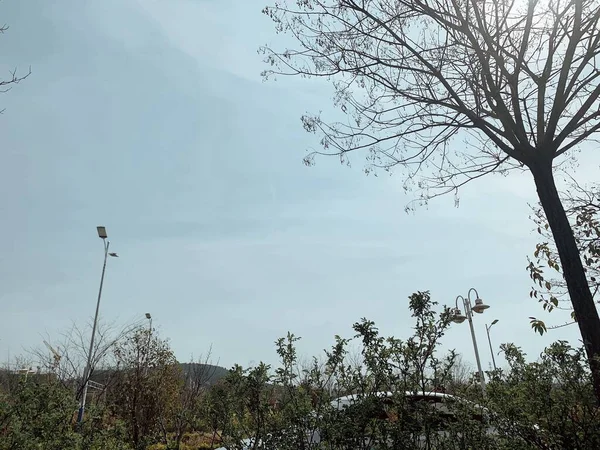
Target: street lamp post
(88, 368)
(487, 330)
(149, 317)
(478, 308)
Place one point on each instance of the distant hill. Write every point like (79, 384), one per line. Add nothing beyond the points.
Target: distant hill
(208, 373)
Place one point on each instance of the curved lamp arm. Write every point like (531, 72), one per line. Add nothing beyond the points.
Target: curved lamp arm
(456, 301)
(469, 293)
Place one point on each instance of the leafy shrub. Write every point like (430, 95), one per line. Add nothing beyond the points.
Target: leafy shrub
(38, 414)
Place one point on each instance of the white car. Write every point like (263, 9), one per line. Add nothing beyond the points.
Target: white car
(439, 401)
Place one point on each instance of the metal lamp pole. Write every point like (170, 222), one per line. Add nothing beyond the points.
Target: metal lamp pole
(459, 318)
(88, 368)
(149, 317)
(487, 330)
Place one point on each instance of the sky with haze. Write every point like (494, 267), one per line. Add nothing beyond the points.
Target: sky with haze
(150, 117)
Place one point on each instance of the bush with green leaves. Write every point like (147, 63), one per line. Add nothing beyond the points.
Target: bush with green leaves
(549, 403)
(38, 414)
(293, 407)
(544, 404)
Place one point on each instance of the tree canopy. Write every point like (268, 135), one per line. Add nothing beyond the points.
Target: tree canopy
(502, 81)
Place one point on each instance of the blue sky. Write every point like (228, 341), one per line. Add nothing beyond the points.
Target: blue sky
(150, 117)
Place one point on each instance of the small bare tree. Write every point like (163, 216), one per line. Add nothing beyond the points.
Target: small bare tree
(66, 356)
(462, 375)
(187, 414)
(451, 90)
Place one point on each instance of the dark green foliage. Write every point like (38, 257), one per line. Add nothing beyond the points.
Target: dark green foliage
(549, 401)
(531, 405)
(546, 404)
(38, 414)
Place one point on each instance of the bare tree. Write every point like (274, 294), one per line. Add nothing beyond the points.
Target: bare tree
(6, 84)
(462, 375)
(197, 375)
(66, 356)
(451, 90)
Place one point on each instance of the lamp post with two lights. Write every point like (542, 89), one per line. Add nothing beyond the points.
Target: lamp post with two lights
(469, 309)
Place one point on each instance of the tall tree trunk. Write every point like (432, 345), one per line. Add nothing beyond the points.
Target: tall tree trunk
(586, 313)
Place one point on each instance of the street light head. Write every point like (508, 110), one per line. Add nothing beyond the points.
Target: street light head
(148, 316)
(494, 322)
(457, 316)
(114, 255)
(479, 306)
(102, 232)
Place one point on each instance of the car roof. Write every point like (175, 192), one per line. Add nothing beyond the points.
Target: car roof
(348, 400)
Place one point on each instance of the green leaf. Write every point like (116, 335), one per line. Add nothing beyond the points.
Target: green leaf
(538, 325)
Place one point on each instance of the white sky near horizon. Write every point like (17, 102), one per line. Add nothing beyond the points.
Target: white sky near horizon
(150, 117)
